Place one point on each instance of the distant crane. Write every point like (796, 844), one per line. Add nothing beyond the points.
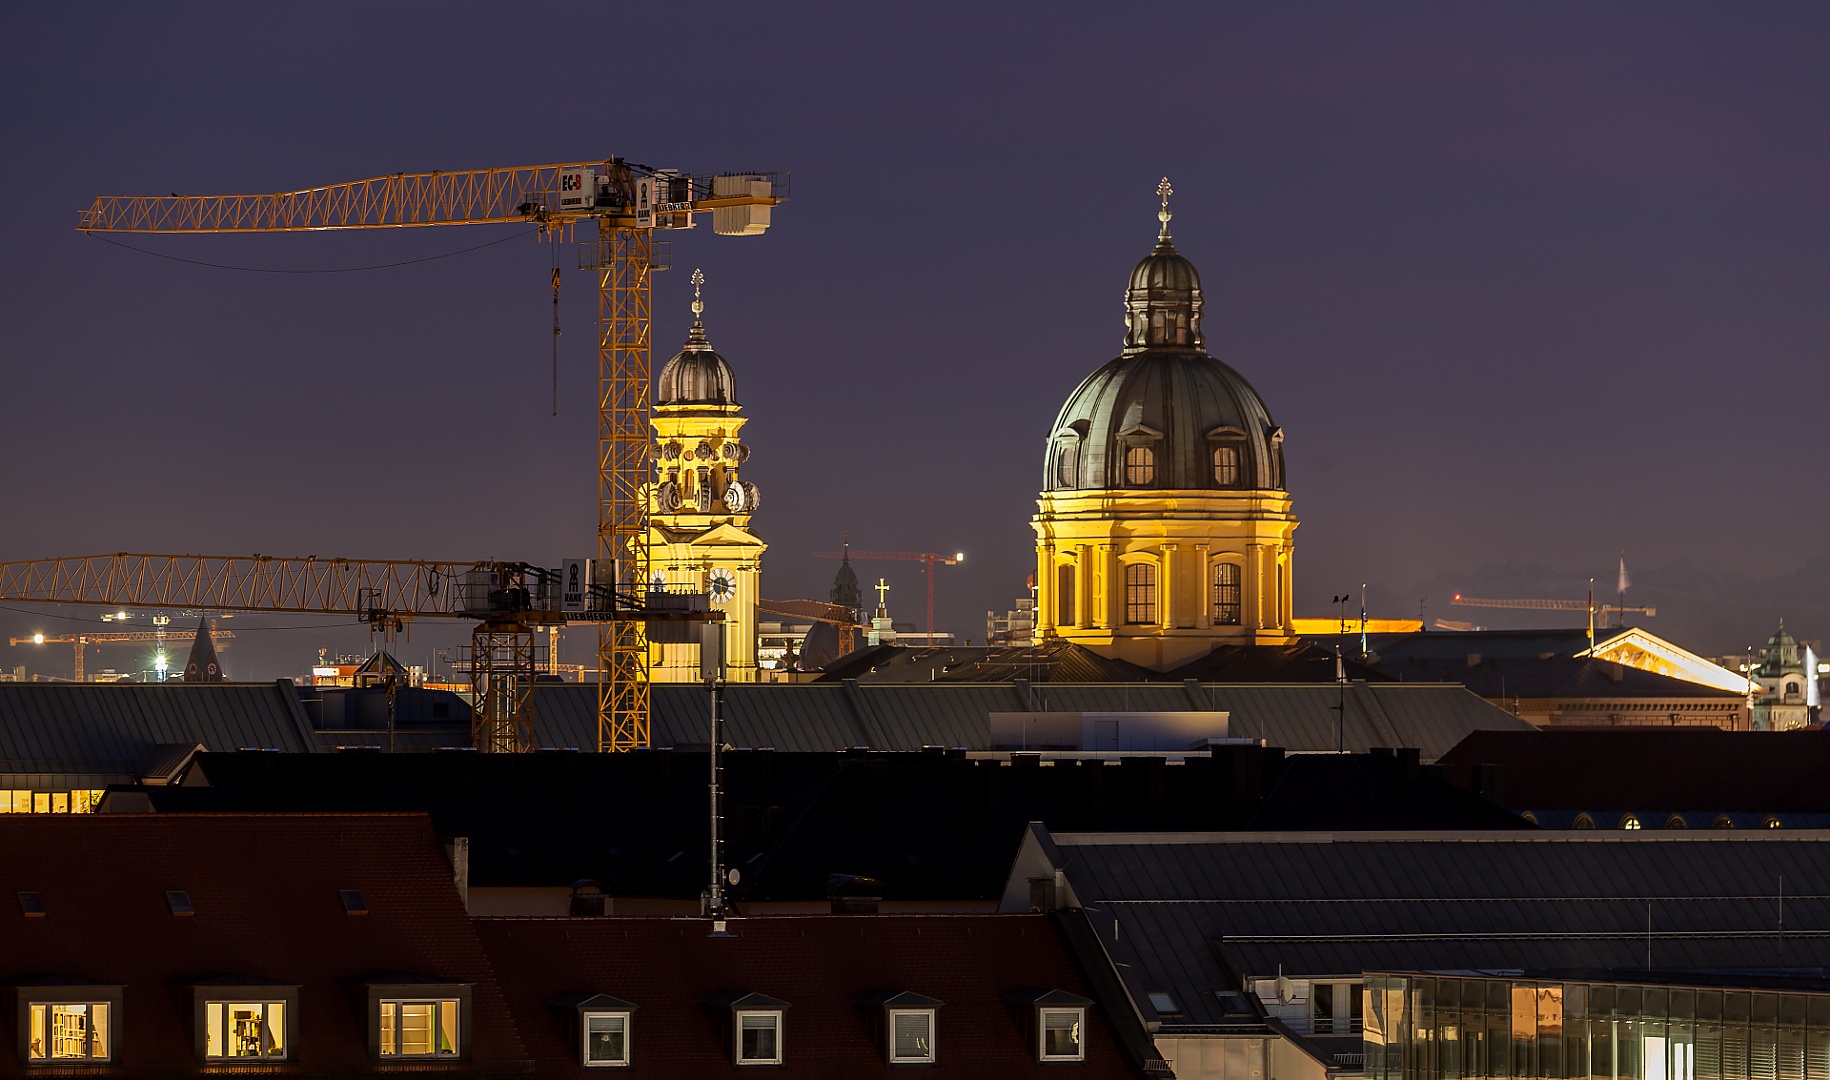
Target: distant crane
(118, 637)
(819, 611)
(928, 559)
(1552, 605)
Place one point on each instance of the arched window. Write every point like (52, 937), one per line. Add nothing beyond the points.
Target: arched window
(1771, 823)
(1583, 821)
(1226, 466)
(1723, 821)
(1629, 821)
(1140, 466)
(1067, 464)
(1140, 594)
(1676, 821)
(1064, 595)
(1227, 599)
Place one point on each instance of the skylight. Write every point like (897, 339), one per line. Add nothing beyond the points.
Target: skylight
(31, 905)
(179, 901)
(353, 903)
(1164, 1002)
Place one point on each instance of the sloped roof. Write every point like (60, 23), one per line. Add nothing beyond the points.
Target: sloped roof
(1312, 904)
(1670, 769)
(819, 965)
(265, 894)
(73, 735)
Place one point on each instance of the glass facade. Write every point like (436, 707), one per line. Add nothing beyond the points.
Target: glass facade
(1425, 1027)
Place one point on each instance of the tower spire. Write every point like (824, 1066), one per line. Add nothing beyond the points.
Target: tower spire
(697, 335)
(1164, 191)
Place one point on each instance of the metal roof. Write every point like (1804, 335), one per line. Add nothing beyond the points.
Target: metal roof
(1317, 904)
(79, 735)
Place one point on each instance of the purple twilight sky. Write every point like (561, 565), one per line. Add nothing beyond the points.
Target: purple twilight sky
(1526, 285)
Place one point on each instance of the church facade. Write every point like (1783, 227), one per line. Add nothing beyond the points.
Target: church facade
(1164, 527)
(699, 505)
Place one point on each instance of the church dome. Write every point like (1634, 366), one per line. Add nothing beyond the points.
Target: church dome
(696, 375)
(1164, 415)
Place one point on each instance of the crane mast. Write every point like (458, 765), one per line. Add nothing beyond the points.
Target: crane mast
(627, 202)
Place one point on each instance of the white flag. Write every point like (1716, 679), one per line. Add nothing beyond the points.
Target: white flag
(1625, 581)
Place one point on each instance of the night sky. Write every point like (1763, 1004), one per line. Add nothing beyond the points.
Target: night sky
(1526, 285)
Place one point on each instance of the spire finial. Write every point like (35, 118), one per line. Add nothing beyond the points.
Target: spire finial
(1164, 191)
(698, 304)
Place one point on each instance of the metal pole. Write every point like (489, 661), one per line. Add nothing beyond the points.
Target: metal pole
(716, 686)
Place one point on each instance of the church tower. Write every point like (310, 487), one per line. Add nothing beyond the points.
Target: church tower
(1163, 528)
(700, 538)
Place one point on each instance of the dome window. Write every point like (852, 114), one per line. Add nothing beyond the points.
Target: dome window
(1226, 465)
(1140, 467)
(1226, 594)
(1067, 464)
(1140, 592)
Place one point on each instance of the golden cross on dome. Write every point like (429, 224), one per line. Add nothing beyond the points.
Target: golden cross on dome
(698, 304)
(882, 588)
(1165, 191)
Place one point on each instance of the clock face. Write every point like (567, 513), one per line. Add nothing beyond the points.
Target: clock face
(722, 584)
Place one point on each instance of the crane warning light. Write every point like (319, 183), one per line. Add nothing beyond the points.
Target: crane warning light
(38, 639)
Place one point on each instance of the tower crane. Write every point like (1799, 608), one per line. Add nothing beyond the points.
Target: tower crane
(107, 637)
(819, 611)
(508, 601)
(627, 203)
(928, 560)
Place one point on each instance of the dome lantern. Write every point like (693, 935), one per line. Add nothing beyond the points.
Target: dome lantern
(1163, 301)
(696, 375)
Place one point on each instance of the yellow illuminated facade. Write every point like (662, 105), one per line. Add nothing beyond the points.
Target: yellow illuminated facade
(700, 538)
(1163, 528)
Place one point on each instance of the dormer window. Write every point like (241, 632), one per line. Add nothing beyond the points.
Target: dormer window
(1058, 1030)
(1140, 466)
(1226, 465)
(62, 1031)
(245, 1030)
(1062, 1035)
(759, 1037)
(418, 1018)
(905, 1023)
(606, 1039)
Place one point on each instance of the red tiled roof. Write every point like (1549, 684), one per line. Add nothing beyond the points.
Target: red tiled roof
(265, 892)
(819, 964)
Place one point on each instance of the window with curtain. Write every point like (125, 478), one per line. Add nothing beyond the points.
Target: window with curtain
(1227, 599)
(1140, 594)
(1140, 466)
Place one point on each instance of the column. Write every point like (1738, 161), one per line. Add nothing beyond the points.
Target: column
(1204, 601)
(1253, 615)
(1167, 587)
(1045, 590)
(1112, 587)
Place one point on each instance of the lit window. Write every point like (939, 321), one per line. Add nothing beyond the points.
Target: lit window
(1140, 466)
(1629, 821)
(69, 1030)
(419, 1028)
(1227, 594)
(1226, 466)
(911, 1036)
(759, 1038)
(1770, 823)
(606, 1038)
(1140, 594)
(1067, 464)
(1061, 1035)
(241, 1030)
(1064, 596)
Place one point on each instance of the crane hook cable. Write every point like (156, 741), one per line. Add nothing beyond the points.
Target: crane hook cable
(330, 270)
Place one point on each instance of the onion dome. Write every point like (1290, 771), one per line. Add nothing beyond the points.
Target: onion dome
(696, 375)
(1164, 415)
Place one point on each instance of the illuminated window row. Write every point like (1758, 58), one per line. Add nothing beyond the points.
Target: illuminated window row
(25, 801)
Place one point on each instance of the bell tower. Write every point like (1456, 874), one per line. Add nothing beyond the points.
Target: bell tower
(700, 507)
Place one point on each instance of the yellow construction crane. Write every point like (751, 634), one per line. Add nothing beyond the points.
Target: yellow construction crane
(107, 637)
(627, 202)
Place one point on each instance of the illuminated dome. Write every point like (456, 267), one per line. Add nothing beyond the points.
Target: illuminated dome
(696, 375)
(1164, 415)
